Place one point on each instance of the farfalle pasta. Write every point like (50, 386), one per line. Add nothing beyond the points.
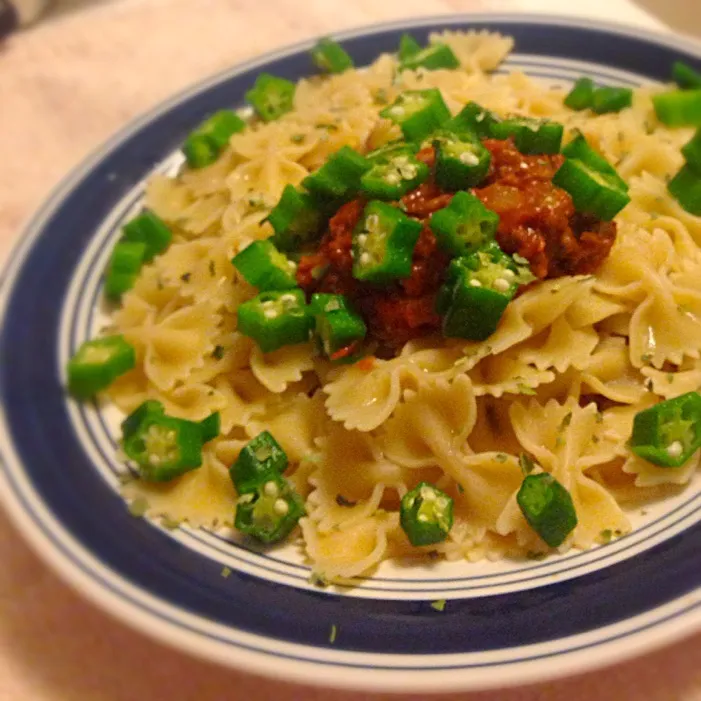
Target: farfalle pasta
(409, 413)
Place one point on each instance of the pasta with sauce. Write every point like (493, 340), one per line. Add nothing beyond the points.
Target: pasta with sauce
(603, 333)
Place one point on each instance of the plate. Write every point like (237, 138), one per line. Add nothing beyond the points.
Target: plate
(503, 624)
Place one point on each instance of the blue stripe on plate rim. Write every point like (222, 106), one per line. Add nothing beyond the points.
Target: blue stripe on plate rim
(653, 624)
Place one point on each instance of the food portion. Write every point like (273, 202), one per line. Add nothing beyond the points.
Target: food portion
(414, 310)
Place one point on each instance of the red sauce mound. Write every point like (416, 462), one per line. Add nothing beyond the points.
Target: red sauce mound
(537, 221)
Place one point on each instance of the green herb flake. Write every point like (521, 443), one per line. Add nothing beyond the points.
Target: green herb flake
(212, 268)
(438, 605)
(333, 634)
(595, 439)
(599, 417)
(225, 571)
(380, 97)
(525, 389)
(138, 507)
(535, 555)
(318, 580)
(646, 357)
(526, 463)
(670, 377)
(218, 352)
(125, 478)
(461, 489)
(606, 535)
(566, 421)
(342, 501)
(297, 138)
(185, 277)
(328, 127)
(171, 524)
(501, 457)
(649, 386)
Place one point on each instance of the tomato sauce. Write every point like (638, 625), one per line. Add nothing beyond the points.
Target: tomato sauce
(537, 220)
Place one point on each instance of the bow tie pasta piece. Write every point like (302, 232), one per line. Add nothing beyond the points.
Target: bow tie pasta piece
(276, 370)
(202, 497)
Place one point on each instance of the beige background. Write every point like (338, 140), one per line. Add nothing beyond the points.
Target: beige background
(65, 86)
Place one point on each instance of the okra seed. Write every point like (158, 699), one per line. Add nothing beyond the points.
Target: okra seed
(372, 222)
(270, 489)
(362, 238)
(281, 507)
(269, 313)
(398, 111)
(475, 283)
(392, 178)
(509, 273)
(423, 517)
(469, 158)
(675, 449)
(501, 285)
(364, 258)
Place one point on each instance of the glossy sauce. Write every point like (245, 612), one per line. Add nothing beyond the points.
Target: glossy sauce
(537, 221)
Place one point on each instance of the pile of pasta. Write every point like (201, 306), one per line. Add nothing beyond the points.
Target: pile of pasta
(573, 360)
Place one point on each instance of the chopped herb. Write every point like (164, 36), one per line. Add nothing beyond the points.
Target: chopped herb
(649, 384)
(169, 523)
(210, 393)
(535, 555)
(559, 442)
(670, 377)
(501, 457)
(333, 633)
(185, 277)
(526, 463)
(297, 138)
(125, 478)
(218, 352)
(461, 489)
(566, 421)
(438, 605)
(342, 501)
(159, 284)
(212, 268)
(380, 97)
(138, 507)
(599, 417)
(328, 127)
(646, 357)
(525, 389)
(318, 580)
(225, 571)
(595, 439)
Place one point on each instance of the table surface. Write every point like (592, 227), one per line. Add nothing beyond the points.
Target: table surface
(66, 85)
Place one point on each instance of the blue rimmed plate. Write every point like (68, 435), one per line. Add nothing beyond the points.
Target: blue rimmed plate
(503, 623)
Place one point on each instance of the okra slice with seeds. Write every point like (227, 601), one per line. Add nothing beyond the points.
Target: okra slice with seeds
(266, 268)
(383, 243)
(426, 514)
(669, 433)
(275, 319)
